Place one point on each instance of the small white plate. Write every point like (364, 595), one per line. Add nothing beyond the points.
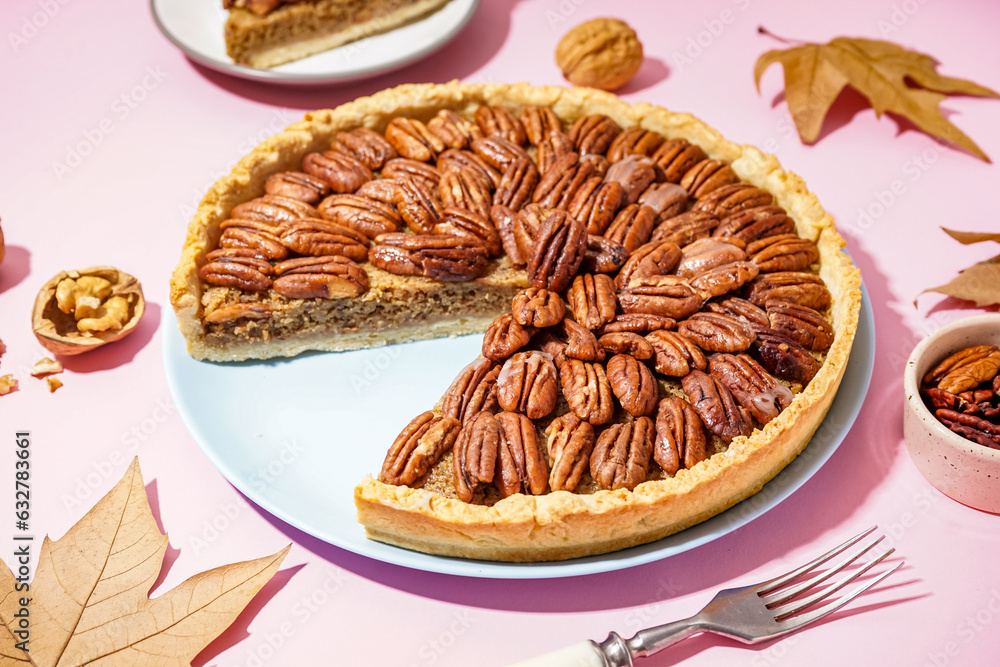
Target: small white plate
(196, 28)
(297, 435)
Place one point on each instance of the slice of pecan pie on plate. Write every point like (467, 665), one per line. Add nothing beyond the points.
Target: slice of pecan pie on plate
(668, 315)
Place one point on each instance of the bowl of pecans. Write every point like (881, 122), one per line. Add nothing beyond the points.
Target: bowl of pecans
(952, 414)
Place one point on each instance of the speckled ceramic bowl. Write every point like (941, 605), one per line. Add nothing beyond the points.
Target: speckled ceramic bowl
(959, 468)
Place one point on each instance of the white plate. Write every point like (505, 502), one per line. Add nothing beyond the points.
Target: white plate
(297, 435)
(196, 28)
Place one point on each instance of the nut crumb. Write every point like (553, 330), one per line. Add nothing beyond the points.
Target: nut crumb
(54, 383)
(45, 367)
(7, 384)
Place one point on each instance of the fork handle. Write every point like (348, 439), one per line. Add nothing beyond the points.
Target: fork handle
(582, 654)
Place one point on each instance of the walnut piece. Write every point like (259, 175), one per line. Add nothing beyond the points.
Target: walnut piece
(600, 53)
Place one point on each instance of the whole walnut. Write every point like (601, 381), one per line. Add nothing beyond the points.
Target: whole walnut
(600, 53)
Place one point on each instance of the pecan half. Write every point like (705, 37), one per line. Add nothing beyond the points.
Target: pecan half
(418, 447)
(571, 441)
(592, 299)
(675, 354)
(620, 459)
(320, 237)
(634, 141)
(705, 254)
(454, 130)
(783, 357)
(561, 183)
(517, 184)
(366, 146)
(666, 296)
(639, 323)
(274, 209)
(385, 190)
(756, 223)
(733, 198)
(717, 332)
(251, 274)
(296, 185)
(633, 384)
(603, 256)
(475, 454)
(504, 220)
(538, 121)
(656, 258)
(974, 428)
(453, 159)
(472, 391)
(537, 307)
(667, 199)
(558, 252)
(521, 466)
(444, 258)
(498, 121)
(528, 384)
(742, 310)
(805, 289)
(706, 176)
(680, 436)
(593, 133)
(965, 369)
(587, 390)
(239, 311)
(464, 188)
(418, 206)
(339, 171)
(362, 214)
(725, 278)
(716, 406)
(634, 173)
(504, 337)
(675, 157)
(685, 228)
(632, 226)
(596, 204)
(469, 224)
(554, 146)
(402, 169)
(782, 252)
(804, 325)
(323, 277)
(753, 387)
(413, 140)
(497, 151)
(526, 224)
(626, 342)
(571, 340)
(258, 237)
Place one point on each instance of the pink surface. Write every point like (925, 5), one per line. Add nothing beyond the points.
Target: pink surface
(97, 77)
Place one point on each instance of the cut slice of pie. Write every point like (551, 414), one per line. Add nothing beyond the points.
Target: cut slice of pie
(267, 33)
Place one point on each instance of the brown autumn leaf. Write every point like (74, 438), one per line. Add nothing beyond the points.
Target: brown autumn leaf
(816, 73)
(89, 599)
(965, 238)
(979, 283)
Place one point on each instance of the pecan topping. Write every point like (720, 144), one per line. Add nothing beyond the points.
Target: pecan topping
(246, 273)
(464, 188)
(324, 277)
(680, 436)
(743, 310)
(593, 134)
(633, 384)
(319, 237)
(592, 299)
(579, 342)
(466, 223)
(239, 311)
(805, 289)
(656, 258)
(498, 121)
(632, 226)
(475, 454)
(454, 130)
(521, 466)
(676, 157)
(621, 456)
(635, 141)
(537, 307)
(538, 121)
(419, 208)
(505, 221)
(362, 214)
(716, 406)
(752, 386)
(255, 236)
(783, 357)
(587, 390)
(473, 390)
(717, 332)
(403, 169)
(725, 278)
(705, 254)
(552, 147)
(526, 224)
(639, 323)
(444, 258)
(504, 337)
(497, 151)
(805, 326)
(385, 190)
(626, 342)
(528, 384)
(730, 199)
(341, 172)
(560, 184)
(274, 209)
(296, 185)
(965, 369)
(420, 445)
(558, 252)
(706, 176)
(675, 354)
(782, 252)
(518, 184)
(756, 223)
(413, 140)
(685, 228)
(571, 440)
(453, 159)
(365, 146)
(596, 204)
(666, 296)
(602, 255)
(634, 173)
(667, 199)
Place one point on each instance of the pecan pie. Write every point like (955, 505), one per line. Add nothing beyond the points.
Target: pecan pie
(652, 354)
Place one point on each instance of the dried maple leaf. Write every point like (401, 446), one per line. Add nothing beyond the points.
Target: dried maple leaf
(89, 599)
(980, 283)
(816, 73)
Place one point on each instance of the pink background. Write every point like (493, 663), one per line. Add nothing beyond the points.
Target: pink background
(127, 203)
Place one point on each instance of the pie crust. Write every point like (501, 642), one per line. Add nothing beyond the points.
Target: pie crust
(559, 525)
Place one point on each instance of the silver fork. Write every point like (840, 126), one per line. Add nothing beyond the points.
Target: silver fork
(749, 614)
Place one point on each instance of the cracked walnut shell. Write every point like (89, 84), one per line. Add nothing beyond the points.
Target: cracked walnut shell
(110, 301)
(600, 53)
